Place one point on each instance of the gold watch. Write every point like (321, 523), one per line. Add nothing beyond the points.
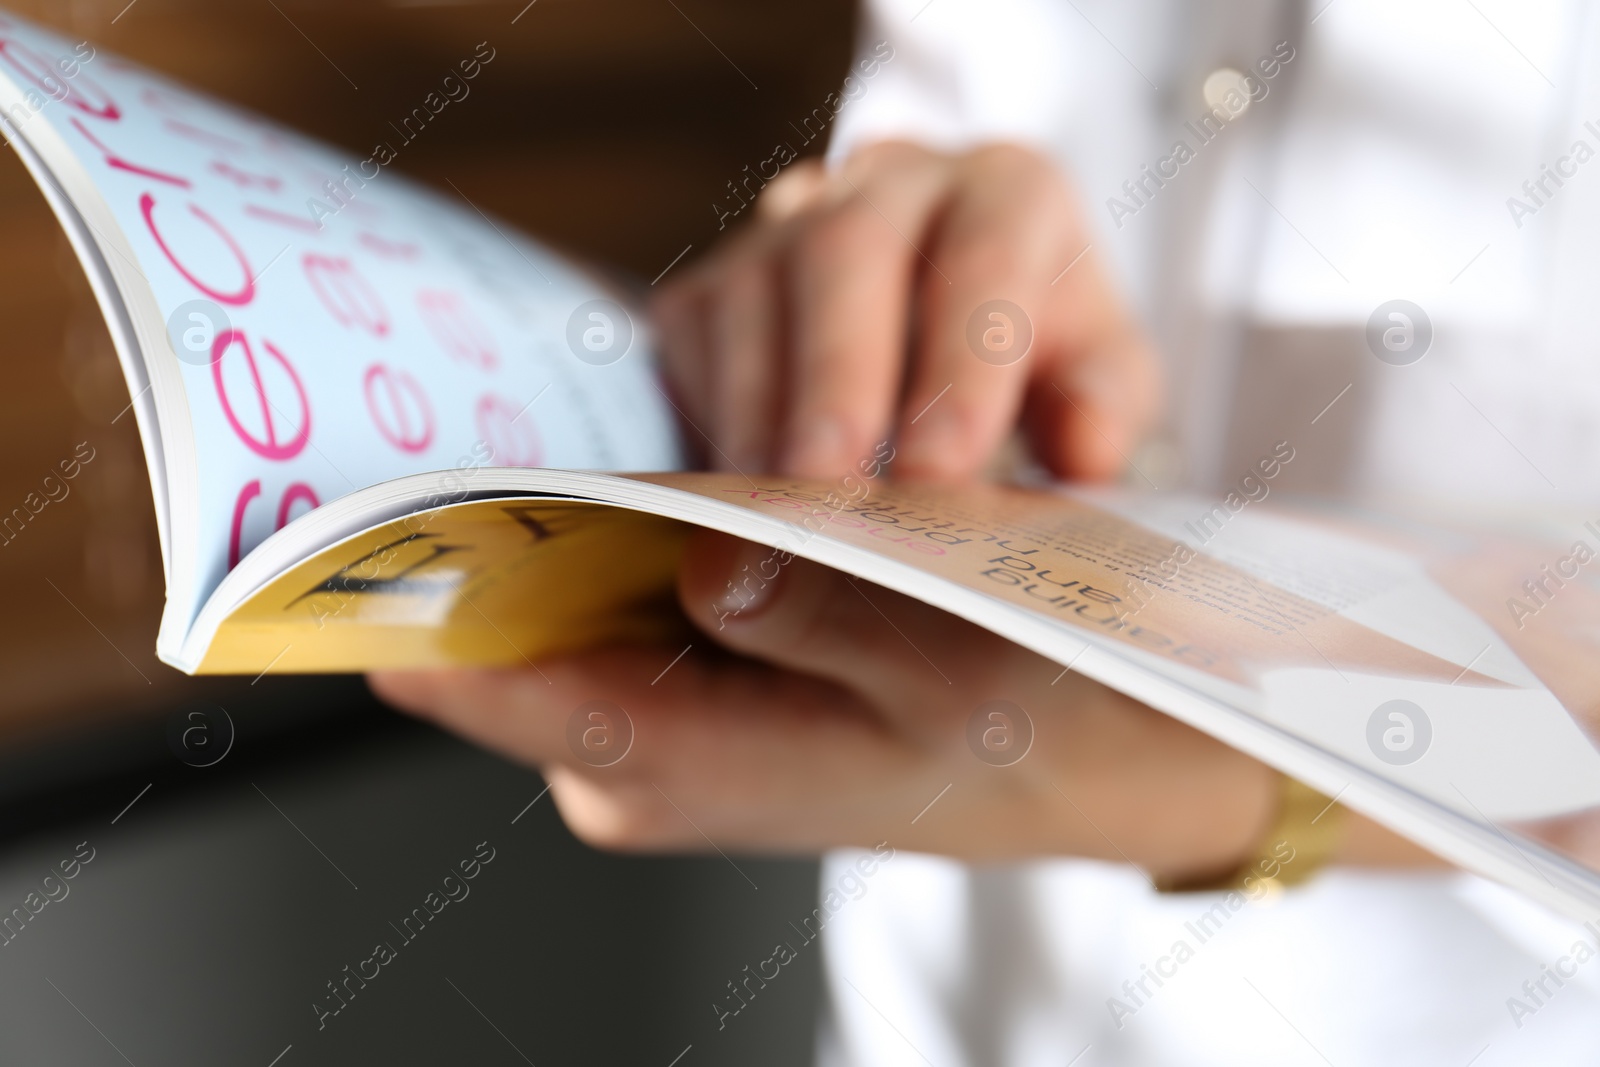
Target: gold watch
(1304, 835)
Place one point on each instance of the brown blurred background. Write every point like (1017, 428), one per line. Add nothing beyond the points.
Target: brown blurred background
(607, 127)
(225, 894)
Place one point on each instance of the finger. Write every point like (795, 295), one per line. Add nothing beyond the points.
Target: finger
(1086, 417)
(1097, 389)
(512, 711)
(849, 287)
(982, 310)
(747, 360)
(669, 701)
(745, 363)
(745, 753)
(679, 314)
(737, 752)
(809, 618)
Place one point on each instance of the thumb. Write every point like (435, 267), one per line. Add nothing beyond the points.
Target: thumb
(769, 605)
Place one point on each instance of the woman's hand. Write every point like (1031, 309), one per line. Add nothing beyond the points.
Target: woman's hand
(857, 307)
(833, 713)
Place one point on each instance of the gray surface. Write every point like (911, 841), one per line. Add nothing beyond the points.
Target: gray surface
(206, 926)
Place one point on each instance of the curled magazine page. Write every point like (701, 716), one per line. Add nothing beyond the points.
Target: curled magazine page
(1386, 648)
(324, 323)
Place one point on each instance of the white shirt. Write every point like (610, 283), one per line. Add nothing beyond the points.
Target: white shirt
(1387, 159)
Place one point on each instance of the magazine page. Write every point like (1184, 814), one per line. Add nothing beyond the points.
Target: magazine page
(496, 582)
(328, 323)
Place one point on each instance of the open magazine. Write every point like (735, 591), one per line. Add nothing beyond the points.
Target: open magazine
(373, 418)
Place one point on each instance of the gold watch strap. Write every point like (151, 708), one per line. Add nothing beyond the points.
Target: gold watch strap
(1304, 835)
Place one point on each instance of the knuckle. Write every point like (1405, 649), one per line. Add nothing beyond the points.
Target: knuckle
(893, 154)
(742, 290)
(796, 179)
(799, 171)
(1031, 187)
(1022, 172)
(1013, 260)
(908, 150)
(980, 257)
(1011, 157)
(836, 241)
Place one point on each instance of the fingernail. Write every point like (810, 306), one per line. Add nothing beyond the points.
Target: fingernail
(752, 582)
(816, 449)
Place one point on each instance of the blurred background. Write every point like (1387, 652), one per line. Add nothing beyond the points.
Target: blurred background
(223, 899)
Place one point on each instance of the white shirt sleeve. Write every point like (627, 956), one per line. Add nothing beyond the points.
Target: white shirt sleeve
(953, 73)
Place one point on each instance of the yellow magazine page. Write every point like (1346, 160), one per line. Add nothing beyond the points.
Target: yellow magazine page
(491, 582)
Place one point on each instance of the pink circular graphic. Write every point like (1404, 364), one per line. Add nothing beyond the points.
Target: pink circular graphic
(147, 204)
(458, 331)
(512, 437)
(116, 162)
(50, 80)
(348, 296)
(297, 492)
(399, 408)
(267, 442)
(252, 489)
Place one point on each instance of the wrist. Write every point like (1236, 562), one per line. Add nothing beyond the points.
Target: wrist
(1216, 819)
(1131, 784)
